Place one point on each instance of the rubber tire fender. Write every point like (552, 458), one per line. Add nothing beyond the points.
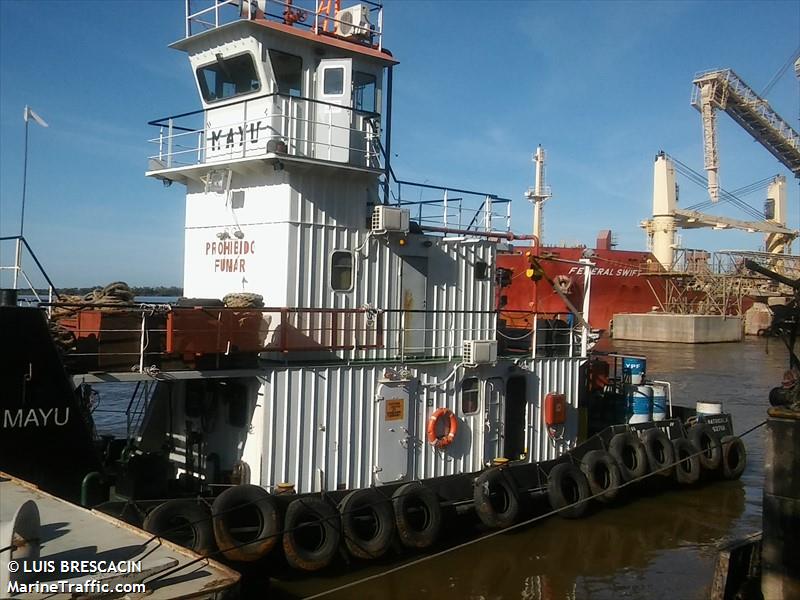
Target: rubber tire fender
(302, 512)
(416, 496)
(687, 458)
(167, 519)
(488, 485)
(627, 445)
(660, 453)
(602, 474)
(704, 438)
(734, 457)
(379, 507)
(561, 476)
(255, 504)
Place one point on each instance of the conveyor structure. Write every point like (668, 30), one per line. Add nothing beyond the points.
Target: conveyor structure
(724, 89)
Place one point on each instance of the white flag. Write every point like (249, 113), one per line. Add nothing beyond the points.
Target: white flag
(30, 114)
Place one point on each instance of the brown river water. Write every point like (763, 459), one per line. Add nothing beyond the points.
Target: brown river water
(650, 545)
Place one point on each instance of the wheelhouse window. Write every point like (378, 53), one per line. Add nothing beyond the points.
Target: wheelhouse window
(364, 87)
(288, 71)
(228, 77)
(469, 396)
(333, 81)
(342, 271)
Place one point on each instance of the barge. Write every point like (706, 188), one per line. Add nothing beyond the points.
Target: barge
(340, 374)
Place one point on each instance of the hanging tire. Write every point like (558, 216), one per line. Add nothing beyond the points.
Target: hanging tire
(660, 453)
(630, 455)
(704, 438)
(417, 515)
(184, 522)
(367, 523)
(734, 457)
(687, 457)
(496, 499)
(567, 486)
(602, 474)
(312, 531)
(246, 522)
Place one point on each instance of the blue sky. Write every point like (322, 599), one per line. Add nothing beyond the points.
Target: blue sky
(603, 86)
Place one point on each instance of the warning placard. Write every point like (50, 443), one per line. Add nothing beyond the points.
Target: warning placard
(395, 409)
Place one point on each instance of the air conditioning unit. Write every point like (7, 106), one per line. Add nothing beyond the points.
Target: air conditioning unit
(353, 21)
(390, 218)
(479, 352)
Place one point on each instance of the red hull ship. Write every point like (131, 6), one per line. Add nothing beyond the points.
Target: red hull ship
(622, 281)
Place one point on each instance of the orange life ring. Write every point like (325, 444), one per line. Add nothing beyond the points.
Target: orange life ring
(444, 440)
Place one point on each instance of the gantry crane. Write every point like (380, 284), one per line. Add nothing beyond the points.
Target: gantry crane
(725, 90)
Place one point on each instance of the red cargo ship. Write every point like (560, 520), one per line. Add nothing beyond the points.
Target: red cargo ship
(622, 281)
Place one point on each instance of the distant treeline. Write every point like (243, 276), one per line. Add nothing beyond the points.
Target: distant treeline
(145, 290)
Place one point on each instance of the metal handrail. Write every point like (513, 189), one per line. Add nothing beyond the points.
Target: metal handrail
(163, 121)
(20, 239)
(207, 331)
(323, 23)
(285, 125)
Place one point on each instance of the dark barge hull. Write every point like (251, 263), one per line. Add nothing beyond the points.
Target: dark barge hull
(46, 431)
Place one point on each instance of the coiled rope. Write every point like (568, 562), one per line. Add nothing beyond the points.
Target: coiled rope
(113, 297)
(243, 300)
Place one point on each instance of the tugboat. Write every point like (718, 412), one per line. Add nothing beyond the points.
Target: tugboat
(336, 376)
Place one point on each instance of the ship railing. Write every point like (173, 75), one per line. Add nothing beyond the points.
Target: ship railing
(136, 338)
(541, 335)
(111, 336)
(294, 126)
(458, 208)
(23, 250)
(318, 16)
(689, 261)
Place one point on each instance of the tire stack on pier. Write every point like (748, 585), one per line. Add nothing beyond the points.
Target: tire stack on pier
(245, 523)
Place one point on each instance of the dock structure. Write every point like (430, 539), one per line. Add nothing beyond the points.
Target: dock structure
(687, 329)
(724, 89)
(53, 549)
(780, 559)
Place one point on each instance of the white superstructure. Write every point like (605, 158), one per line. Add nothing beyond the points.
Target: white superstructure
(367, 315)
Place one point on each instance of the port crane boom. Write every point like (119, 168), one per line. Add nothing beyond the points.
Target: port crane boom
(725, 90)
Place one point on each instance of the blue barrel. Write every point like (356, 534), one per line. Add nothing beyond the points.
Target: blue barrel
(640, 403)
(633, 369)
(659, 402)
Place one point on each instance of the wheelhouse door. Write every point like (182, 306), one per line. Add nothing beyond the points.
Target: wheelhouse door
(333, 119)
(493, 406)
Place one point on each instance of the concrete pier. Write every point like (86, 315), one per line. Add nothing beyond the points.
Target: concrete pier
(757, 318)
(685, 329)
(780, 551)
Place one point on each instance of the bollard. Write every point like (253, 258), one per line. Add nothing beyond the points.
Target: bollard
(780, 551)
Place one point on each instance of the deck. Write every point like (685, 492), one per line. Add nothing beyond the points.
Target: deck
(71, 533)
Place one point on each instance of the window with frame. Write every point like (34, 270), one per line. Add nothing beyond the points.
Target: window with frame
(364, 92)
(342, 270)
(228, 77)
(288, 71)
(469, 396)
(333, 81)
